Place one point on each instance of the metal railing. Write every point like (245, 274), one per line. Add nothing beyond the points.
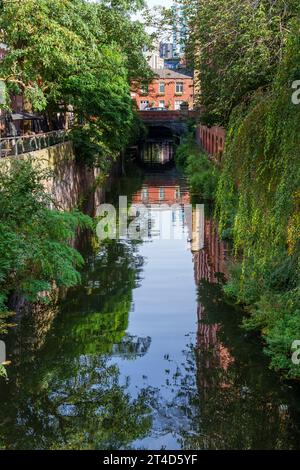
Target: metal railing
(14, 146)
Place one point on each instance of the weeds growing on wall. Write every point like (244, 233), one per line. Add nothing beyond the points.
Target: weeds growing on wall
(35, 239)
(261, 175)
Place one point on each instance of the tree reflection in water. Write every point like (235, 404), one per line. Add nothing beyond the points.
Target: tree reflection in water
(63, 392)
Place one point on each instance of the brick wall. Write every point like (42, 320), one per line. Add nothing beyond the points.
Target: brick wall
(211, 139)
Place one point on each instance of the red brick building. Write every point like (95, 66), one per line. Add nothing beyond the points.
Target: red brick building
(169, 90)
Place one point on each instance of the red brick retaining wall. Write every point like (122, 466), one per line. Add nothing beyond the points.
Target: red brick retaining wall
(211, 139)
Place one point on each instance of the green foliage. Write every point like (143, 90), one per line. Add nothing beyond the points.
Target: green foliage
(201, 173)
(247, 56)
(95, 143)
(64, 53)
(261, 166)
(35, 240)
(52, 43)
(235, 47)
(3, 372)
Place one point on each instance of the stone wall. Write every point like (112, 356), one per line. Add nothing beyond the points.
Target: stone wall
(71, 184)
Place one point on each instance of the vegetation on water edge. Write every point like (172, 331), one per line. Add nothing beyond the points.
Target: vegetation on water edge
(249, 90)
(64, 55)
(201, 173)
(262, 175)
(36, 250)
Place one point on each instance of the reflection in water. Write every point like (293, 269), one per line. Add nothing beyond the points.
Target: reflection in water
(145, 353)
(157, 151)
(231, 399)
(131, 347)
(209, 263)
(170, 189)
(65, 394)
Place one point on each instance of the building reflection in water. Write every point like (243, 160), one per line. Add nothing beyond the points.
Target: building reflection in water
(209, 264)
(160, 189)
(209, 257)
(169, 213)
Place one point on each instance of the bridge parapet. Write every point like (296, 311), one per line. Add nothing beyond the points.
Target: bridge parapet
(159, 116)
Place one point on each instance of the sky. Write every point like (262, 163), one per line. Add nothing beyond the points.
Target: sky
(162, 3)
(156, 3)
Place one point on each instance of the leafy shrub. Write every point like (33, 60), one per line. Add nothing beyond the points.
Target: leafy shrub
(35, 240)
(202, 174)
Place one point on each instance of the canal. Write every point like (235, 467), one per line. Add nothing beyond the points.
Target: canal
(145, 353)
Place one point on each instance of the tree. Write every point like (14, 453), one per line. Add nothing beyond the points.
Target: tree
(236, 46)
(73, 52)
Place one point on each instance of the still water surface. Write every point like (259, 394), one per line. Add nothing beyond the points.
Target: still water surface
(145, 353)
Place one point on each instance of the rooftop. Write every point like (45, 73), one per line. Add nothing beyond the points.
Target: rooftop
(168, 73)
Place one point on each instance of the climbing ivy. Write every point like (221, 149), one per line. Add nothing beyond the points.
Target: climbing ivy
(261, 173)
(246, 57)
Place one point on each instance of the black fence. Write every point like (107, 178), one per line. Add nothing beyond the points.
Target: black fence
(14, 146)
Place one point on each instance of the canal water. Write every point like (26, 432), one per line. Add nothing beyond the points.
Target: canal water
(145, 353)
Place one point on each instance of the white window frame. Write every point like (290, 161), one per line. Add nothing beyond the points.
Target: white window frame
(144, 104)
(163, 86)
(177, 105)
(179, 87)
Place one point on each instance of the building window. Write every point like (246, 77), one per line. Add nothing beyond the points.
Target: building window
(161, 104)
(178, 104)
(161, 194)
(177, 193)
(162, 88)
(145, 194)
(179, 87)
(144, 104)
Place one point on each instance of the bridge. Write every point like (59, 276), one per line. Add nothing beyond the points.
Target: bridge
(175, 121)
